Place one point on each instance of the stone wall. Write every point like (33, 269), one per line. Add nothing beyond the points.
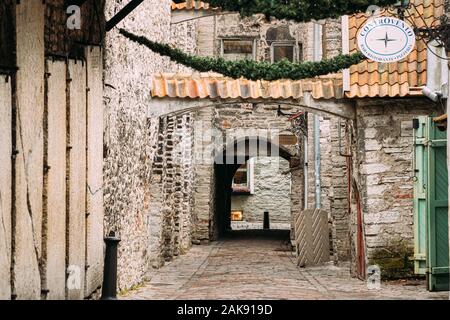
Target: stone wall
(171, 210)
(132, 141)
(384, 173)
(333, 181)
(203, 191)
(231, 121)
(331, 38)
(258, 28)
(272, 192)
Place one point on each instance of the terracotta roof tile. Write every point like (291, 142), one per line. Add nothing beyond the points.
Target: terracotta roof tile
(214, 85)
(372, 79)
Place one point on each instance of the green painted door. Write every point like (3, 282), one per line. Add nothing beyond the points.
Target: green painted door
(431, 251)
(437, 203)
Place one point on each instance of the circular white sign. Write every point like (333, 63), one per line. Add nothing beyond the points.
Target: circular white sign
(386, 39)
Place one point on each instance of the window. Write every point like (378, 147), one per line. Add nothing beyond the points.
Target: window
(237, 215)
(243, 179)
(289, 50)
(240, 179)
(238, 49)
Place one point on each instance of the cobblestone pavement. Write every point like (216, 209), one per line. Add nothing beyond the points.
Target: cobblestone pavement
(257, 267)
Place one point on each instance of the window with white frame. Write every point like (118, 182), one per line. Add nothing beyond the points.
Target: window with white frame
(238, 49)
(243, 178)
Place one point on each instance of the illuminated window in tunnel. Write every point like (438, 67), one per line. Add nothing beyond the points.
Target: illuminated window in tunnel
(242, 180)
(237, 215)
(241, 177)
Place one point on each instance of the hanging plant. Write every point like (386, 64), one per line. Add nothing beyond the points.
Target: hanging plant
(250, 69)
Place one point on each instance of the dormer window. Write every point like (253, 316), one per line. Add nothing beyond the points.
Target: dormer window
(238, 49)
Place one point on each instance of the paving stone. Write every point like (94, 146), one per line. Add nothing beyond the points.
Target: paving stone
(261, 267)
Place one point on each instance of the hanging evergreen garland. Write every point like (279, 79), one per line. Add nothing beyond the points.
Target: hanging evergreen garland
(299, 10)
(250, 69)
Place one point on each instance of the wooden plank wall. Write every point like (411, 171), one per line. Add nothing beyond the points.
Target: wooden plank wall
(94, 200)
(76, 162)
(54, 250)
(51, 169)
(27, 211)
(5, 186)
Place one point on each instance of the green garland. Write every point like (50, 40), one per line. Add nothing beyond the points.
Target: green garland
(250, 69)
(299, 10)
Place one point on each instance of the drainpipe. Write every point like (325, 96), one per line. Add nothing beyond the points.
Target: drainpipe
(317, 158)
(317, 57)
(305, 165)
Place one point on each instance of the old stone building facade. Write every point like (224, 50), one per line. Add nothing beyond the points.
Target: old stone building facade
(137, 147)
(271, 191)
(336, 172)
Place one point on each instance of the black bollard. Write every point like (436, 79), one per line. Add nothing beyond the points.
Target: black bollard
(109, 287)
(266, 225)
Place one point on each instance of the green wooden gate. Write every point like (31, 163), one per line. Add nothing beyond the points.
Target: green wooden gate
(431, 204)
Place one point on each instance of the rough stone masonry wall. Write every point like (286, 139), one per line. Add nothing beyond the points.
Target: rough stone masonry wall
(333, 182)
(242, 120)
(256, 27)
(331, 38)
(203, 188)
(385, 173)
(130, 137)
(272, 192)
(333, 167)
(171, 212)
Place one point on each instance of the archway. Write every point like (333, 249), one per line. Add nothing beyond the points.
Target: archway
(227, 162)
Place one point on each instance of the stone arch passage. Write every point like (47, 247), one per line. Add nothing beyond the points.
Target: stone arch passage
(212, 217)
(226, 163)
